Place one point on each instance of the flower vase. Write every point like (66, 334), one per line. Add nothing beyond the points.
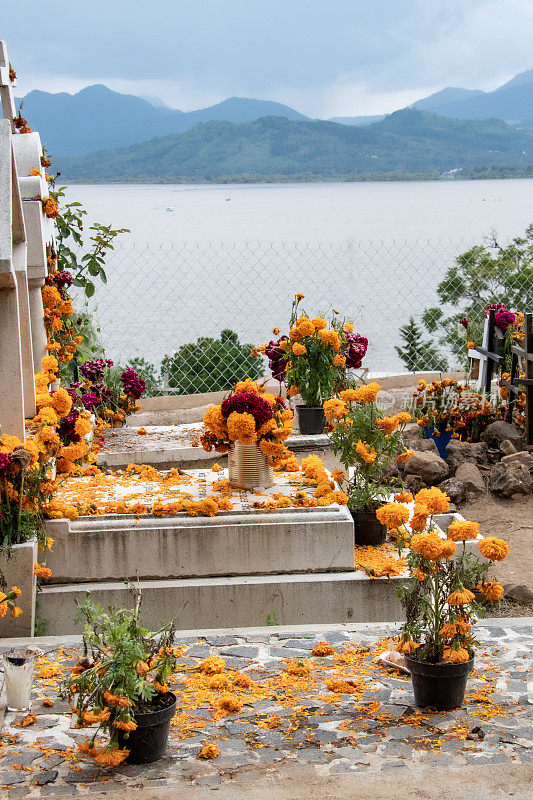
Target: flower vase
(18, 676)
(249, 467)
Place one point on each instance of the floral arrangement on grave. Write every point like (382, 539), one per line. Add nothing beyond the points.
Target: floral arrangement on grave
(312, 360)
(449, 409)
(440, 596)
(121, 677)
(106, 394)
(8, 602)
(369, 442)
(249, 415)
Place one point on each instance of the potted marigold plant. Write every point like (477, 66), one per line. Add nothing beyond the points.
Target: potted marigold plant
(367, 441)
(120, 684)
(440, 597)
(313, 359)
(252, 425)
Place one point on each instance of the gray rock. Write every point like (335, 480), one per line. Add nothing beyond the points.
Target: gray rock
(454, 488)
(413, 483)
(519, 593)
(521, 458)
(507, 447)
(500, 431)
(244, 651)
(508, 479)
(471, 477)
(428, 466)
(458, 452)
(47, 776)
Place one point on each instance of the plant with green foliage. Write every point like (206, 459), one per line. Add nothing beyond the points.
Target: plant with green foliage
(417, 354)
(125, 667)
(483, 275)
(210, 365)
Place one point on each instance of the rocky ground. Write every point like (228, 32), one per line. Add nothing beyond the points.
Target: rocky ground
(346, 716)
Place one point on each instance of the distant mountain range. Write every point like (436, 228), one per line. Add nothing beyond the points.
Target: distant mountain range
(408, 143)
(97, 118)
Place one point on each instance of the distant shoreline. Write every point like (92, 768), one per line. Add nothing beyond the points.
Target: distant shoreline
(279, 179)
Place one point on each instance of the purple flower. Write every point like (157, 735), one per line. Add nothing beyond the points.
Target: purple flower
(4, 461)
(355, 350)
(95, 370)
(277, 360)
(465, 322)
(63, 280)
(67, 428)
(502, 319)
(90, 400)
(134, 386)
(249, 403)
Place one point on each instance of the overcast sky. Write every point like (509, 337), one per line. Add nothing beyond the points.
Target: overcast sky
(324, 57)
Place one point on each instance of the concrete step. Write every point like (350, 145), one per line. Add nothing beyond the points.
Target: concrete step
(234, 602)
(240, 542)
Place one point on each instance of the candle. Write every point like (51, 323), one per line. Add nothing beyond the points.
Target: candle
(18, 675)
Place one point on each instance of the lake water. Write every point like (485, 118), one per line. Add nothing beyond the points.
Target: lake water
(203, 257)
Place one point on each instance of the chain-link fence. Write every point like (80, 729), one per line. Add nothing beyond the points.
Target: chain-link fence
(161, 297)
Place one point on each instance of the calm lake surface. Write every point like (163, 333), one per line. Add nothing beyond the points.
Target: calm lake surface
(203, 257)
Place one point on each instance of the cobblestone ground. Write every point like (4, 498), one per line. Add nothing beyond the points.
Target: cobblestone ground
(346, 713)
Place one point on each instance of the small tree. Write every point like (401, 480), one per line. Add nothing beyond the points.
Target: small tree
(210, 365)
(417, 354)
(483, 275)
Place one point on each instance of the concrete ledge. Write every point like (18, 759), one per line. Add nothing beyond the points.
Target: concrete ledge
(113, 547)
(17, 569)
(326, 598)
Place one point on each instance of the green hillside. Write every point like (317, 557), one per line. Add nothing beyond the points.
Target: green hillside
(405, 144)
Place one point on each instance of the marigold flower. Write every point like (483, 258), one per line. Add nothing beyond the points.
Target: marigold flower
(368, 392)
(405, 456)
(62, 402)
(418, 574)
(297, 666)
(319, 323)
(216, 422)
(335, 409)
(348, 327)
(491, 591)
(494, 549)
(40, 571)
(404, 497)
(456, 655)
(228, 704)
(349, 395)
(462, 530)
(461, 597)
(339, 360)
(92, 717)
(392, 515)
(434, 499)
(387, 424)
(16, 612)
(367, 455)
(338, 475)
(117, 700)
(299, 296)
(429, 545)
(292, 391)
(125, 725)
(209, 750)
(109, 757)
(330, 338)
(299, 349)
(241, 427)
(16, 591)
(305, 326)
(407, 645)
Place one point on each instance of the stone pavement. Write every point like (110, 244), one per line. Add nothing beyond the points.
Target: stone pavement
(319, 717)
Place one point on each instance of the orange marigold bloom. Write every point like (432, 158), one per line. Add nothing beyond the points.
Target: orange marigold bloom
(330, 337)
(368, 392)
(405, 456)
(348, 327)
(297, 666)
(90, 717)
(117, 700)
(392, 515)
(16, 612)
(461, 597)
(319, 323)
(462, 530)
(216, 422)
(492, 590)
(292, 391)
(434, 499)
(299, 349)
(294, 335)
(338, 475)
(125, 725)
(241, 427)
(429, 545)
(404, 497)
(335, 409)
(212, 665)
(368, 456)
(494, 549)
(387, 424)
(339, 360)
(16, 591)
(349, 395)
(418, 574)
(228, 704)
(111, 757)
(40, 571)
(407, 646)
(209, 750)
(419, 519)
(456, 655)
(305, 326)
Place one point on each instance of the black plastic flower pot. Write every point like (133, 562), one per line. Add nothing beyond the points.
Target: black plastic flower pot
(311, 420)
(441, 686)
(367, 528)
(149, 741)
